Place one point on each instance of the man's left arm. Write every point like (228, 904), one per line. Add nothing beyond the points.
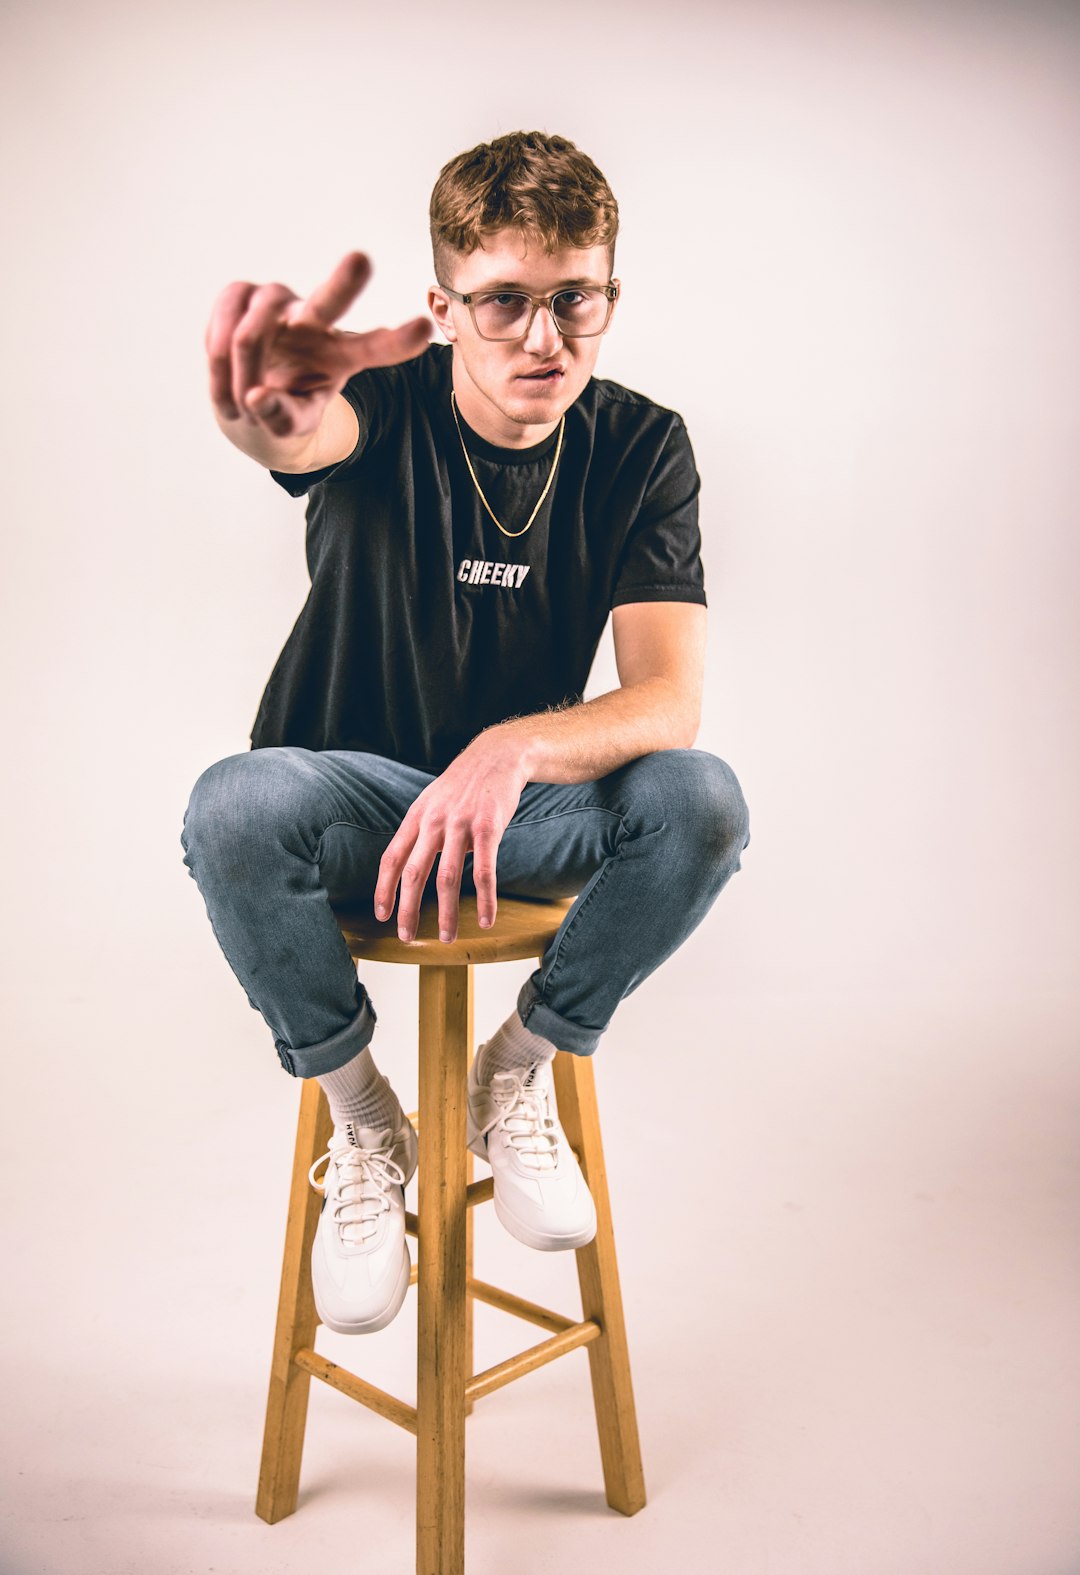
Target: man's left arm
(660, 656)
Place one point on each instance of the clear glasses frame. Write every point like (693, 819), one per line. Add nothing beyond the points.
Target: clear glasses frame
(611, 290)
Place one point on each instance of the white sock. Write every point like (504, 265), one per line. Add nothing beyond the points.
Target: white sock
(510, 1048)
(358, 1093)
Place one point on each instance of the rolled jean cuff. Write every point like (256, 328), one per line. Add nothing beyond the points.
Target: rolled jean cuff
(340, 1048)
(538, 1018)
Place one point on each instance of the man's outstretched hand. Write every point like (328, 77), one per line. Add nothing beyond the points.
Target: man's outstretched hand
(277, 361)
(466, 809)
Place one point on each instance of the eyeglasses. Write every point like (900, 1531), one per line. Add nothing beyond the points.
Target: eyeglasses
(508, 314)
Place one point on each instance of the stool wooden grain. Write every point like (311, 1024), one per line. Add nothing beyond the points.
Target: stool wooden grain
(446, 1386)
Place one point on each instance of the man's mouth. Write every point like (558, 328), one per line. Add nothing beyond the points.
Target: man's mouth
(551, 374)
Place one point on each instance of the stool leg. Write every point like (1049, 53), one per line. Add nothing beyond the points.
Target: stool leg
(286, 1406)
(601, 1298)
(470, 1176)
(470, 1269)
(445, 1017)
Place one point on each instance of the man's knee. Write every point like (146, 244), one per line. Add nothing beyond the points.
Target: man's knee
(239, 802)
(696, 799)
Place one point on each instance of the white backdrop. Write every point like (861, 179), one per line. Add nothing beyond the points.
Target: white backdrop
(840, 1122)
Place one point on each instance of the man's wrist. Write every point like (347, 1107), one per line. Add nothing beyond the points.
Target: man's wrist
(512, 745)
(290, 454)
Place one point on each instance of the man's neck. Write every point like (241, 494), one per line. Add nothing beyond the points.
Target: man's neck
(487, 421)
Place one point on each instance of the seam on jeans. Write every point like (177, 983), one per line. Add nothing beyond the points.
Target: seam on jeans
(559, 814)
(364, 831)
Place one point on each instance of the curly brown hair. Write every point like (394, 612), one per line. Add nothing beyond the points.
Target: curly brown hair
(526, 180)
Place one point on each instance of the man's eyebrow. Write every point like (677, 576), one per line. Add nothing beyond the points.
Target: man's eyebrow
(513, 284)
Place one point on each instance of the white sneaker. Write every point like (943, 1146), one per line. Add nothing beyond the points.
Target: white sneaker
(540, 1193)
(360, 1262)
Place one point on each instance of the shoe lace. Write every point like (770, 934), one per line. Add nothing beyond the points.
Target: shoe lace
(525, 1116)
(356, 1184)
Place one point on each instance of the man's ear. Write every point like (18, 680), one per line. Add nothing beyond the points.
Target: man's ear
(439, 307)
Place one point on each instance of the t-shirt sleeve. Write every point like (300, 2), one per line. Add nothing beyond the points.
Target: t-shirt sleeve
(661, 560)
(362, 391)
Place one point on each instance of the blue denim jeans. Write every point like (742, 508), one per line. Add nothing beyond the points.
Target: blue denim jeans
(273, 836)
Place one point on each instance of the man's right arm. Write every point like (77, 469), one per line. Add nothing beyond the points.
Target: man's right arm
(332, 440)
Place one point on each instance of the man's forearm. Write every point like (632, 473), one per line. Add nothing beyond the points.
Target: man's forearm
(588, 741)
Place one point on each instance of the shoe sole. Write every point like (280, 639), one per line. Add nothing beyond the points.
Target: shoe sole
(529, 1238)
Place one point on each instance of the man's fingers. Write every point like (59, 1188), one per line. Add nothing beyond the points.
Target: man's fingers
(485, 853)
(379, 346)
(386, 346)
(414, 874)
(448, 884)
(331, 299)
(227, 311)
(249, 340)
(397, 851)
(406, 862)
(285, 415)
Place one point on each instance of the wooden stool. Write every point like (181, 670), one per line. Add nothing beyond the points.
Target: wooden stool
(446, 1386)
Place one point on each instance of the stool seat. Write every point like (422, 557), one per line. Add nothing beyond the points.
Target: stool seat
(447, 1384)
(523, 928)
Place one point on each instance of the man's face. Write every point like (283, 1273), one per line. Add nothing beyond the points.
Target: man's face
(494, 380)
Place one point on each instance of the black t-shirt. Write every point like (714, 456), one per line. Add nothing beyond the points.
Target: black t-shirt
(424, 623)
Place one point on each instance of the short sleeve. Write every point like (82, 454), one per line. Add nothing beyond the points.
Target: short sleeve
(661, 560)
(363, 391)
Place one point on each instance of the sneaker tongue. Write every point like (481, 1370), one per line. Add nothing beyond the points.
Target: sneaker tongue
(357, 1136)
(509, 1079)
(361, 1193)
(534, 1145)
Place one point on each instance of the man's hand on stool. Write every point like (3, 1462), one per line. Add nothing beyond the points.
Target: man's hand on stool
(464, 810)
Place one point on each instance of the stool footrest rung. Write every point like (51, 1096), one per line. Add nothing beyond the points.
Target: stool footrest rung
(506, 1301)
(569, 1337)
(527, 1361)
(495, 1296)
(347, 1383)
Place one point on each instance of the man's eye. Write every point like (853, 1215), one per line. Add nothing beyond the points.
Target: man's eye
(504, 298)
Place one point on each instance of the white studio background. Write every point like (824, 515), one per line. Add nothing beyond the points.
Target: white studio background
(840, 1122)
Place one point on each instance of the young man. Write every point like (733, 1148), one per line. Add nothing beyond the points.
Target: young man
(476, 510)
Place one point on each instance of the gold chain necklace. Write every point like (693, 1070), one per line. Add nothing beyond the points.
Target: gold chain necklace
(476, 484)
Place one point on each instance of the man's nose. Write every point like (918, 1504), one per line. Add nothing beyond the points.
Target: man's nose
(543, 336)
